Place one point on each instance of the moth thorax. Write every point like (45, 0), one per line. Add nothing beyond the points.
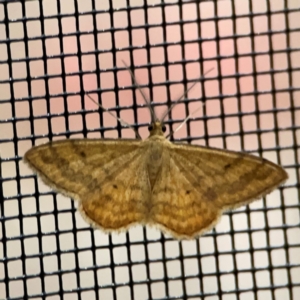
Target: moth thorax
(154, 162)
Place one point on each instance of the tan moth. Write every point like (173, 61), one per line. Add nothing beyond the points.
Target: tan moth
(183, 189)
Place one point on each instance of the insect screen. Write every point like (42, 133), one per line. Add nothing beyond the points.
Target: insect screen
(54, 52)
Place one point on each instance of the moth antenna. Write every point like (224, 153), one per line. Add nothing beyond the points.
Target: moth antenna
(153, 117)
(183, 95)
(184, 121)
(122, 122)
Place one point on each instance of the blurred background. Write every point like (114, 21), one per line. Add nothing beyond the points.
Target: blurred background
(53, 52)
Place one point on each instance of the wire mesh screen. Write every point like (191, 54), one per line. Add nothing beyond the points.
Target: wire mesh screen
(53, 52)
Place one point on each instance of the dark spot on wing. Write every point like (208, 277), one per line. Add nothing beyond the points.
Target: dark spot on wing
(82, 154)
(226, 167)
(115, 186)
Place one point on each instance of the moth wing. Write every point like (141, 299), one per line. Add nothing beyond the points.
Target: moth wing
(106, 176)
(73, 167)
(196, 184)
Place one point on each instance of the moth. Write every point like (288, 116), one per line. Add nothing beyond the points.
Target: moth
(182, 189)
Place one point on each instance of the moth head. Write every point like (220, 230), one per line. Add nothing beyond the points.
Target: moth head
(157, 128)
